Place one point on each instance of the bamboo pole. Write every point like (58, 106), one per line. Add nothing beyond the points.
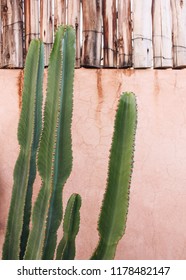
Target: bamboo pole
(46, 27)
(162, 33)
(179, 33)
(124, 33)
(31, 9)
(59, 13)
(73, 18)
(92, 33)
(12, 34)
(142, 34)
(109, 33)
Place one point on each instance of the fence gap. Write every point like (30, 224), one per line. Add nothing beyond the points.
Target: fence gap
(73, 18)
(31, 12)
(162, 34)
(92, 33)
(12, 33)
(109, 33)
(142, 33)
(179, 33)
(124, 34)
(46, 27)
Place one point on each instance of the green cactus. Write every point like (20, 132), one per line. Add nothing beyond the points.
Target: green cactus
(55, 153)
(53, 149)
(25, 169)
(66, 247)
(112, 221)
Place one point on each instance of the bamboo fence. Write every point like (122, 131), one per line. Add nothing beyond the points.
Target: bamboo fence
(109, 33)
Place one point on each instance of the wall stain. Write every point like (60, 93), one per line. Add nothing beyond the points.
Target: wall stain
(128, 72)
(99, 93)
(175, 81)
(116, 99)
(119, 92)
(118, 84)
(156, 83)
(20, 87)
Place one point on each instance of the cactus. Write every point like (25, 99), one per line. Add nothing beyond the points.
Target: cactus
(53, 149)
(112, 221)
(55, 153)
(113, 216)
(25, 169)
(66, 247)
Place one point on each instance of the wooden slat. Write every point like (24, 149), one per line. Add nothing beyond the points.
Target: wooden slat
(73, 18)
(109, 33)
(179, 33)
(162, 33)
(142, 34)
(12, 38)
(59, 13)
(92, 33)
(31, 9)
(124, 33)
(46, 26)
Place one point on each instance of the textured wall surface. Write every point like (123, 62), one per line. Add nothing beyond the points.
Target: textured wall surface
(156, 225)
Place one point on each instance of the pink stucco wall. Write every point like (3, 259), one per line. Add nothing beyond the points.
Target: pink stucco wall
(156, 226)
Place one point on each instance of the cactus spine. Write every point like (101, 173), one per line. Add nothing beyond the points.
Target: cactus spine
(112, 221)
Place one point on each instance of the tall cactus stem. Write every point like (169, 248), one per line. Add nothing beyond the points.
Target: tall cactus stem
(25, 169)
(66, 249)
(55, 150)
(113, 216)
